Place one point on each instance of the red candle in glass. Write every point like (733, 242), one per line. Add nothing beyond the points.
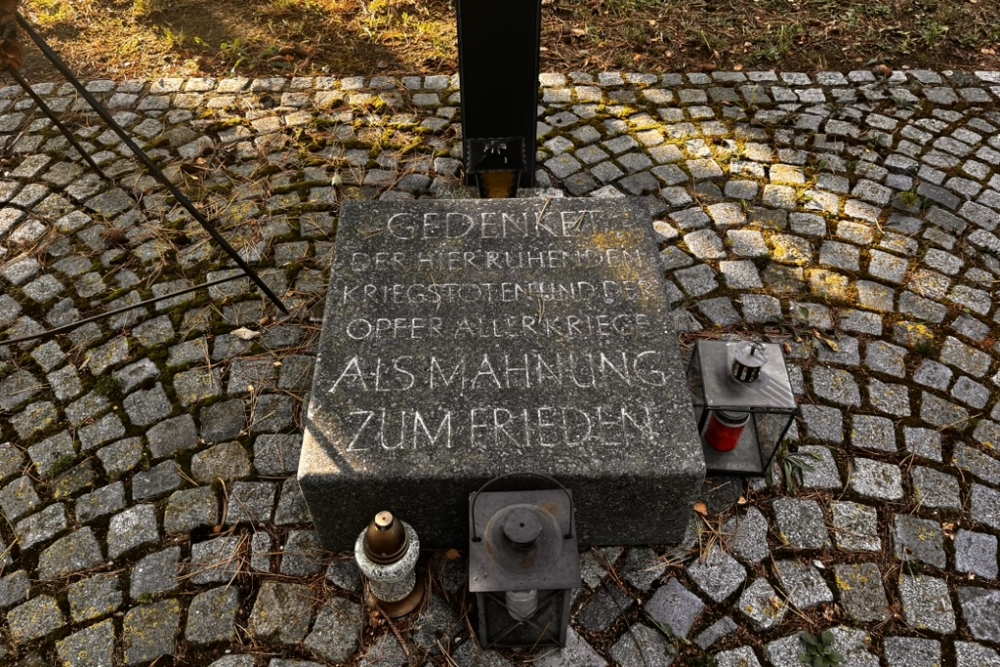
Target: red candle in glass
(724, 429)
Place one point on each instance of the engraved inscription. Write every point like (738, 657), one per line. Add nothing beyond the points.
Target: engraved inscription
(521, 330)
(606, 291)
(489, 426)
(584, 370)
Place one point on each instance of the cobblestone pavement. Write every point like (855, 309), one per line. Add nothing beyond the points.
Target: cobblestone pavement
(147, 464)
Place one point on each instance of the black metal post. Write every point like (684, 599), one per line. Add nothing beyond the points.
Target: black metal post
(498, 51)
(40, 103)
(117, 311)
(151, 167)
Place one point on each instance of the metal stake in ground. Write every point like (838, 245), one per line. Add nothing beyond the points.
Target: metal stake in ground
(151, 167)
(40, 103)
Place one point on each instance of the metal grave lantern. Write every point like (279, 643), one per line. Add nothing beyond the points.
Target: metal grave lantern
(743, 403)
(523, 564)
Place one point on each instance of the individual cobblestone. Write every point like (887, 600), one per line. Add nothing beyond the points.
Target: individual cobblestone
(94, 597)
(216, 560)
(150, 631)
(131, 529)
(334, 634)
(979, 609)
(92, 646)
(718, 576)
(156, 573)
(35, 619)
(861, 592)
(761, 605)
(876, 480)
(803, 584)
(976, 553)
(800, 523)
(282, 612)
(211, 616)
(73, 553)
(926, 604)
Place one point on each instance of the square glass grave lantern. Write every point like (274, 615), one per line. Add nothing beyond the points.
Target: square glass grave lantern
(743, 403)
(523, 565)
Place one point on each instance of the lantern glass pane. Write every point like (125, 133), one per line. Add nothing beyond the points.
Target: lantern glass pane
(695, 384)
(771, 428)
(744, 459)
(546, 627)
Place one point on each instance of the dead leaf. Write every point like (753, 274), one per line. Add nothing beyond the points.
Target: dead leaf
(882, 70)
(245, 334)
(829, 342)
(701, 508)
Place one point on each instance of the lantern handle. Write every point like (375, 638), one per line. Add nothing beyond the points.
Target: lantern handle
(475, 497)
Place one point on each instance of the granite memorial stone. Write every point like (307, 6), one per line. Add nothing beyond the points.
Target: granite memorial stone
(464, 339)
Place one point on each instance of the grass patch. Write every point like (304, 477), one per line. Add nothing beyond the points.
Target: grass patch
(151, 38)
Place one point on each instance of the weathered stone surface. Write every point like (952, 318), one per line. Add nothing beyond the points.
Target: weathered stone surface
(855, 526)
(675, 606)
(976, 553)
(935, 489)
(384, 652)
(251, 502)
(14, 589)
(642, 567)
(576, 653)
(190, 509)
(335, 633)
(132, 529)
(91, 647)
(912, 652)
(877, 480)
(926, 603)
(803, 584)
(75, 552)
(211, 616)
(156, 481)
(150, 631)
(980, 608)
(276, 455)
(439, 410)
(642, 646)
(919, 539)
(719, 575)
(742, 656)
(436, 623)
(859, 588)
(226, 461)
(302, 555)
(610, 602)
(94, 597)
(216, 560)
(761, 605)
(172, 435)
(747, 536)
(18, 498)
(41, 526)
(282, 612)
(970, 654)
(34, 619)
(156, 573)
(801, 523)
